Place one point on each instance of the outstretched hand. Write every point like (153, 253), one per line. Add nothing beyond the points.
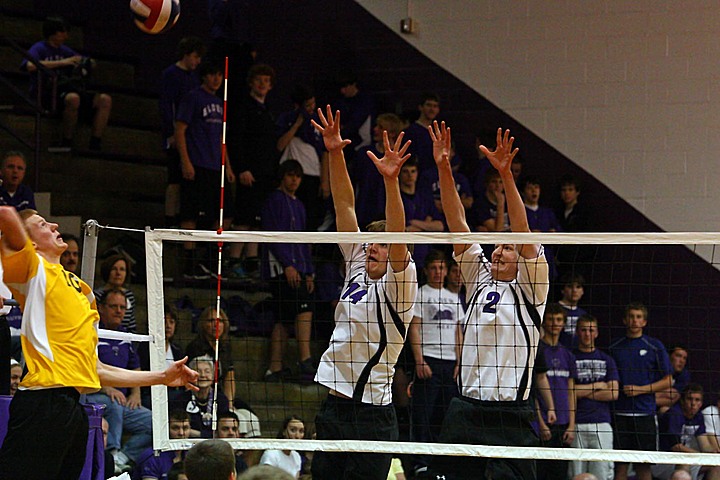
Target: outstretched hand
(390, 164)
(501, 158)
(442, 143)
(329, 127)
(180, 375)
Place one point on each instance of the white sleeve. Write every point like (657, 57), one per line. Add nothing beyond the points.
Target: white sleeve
(710, 415)
(354, 256)
(533, 278)
(474, 267)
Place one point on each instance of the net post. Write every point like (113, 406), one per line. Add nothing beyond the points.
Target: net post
(90, 239)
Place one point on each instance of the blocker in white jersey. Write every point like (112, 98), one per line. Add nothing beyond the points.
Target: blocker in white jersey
(502, 327)
(371, 320)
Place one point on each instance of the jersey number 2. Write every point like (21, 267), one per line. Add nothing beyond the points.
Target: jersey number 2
(493, 298)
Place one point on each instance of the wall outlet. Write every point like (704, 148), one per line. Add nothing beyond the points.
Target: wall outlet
(406, 25)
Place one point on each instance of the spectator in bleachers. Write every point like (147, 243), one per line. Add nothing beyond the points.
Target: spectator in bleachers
(489, 211)
(15, 375)
(573, 289)
(199, 405)
(369, 191)
(561, 375)
(13, 191)
(173, 353)
(228, 427)
(156, 467)
(680, 379)
(116, 271)
(298, 140)
(644, 369)
(70, 259)
(417, 132)
(198, 135)
(73, 100)
(454, 283)
(462, 184)
(420, 212)
(293, 428)
(596, 387)
(252, 146)
(204, 344)
(177, 80)
(123, 409)
(290, 270)
(711, 415)
(358, 115)
(573, 214)
(682, 429)
(540, 219)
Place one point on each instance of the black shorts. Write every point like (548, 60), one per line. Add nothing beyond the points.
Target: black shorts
(635, 432)
(47, 435)
(173, 167)
(289, 302)
(249, 201)
(200, 198)
(473, 422)
(345, 419)
(87, 109)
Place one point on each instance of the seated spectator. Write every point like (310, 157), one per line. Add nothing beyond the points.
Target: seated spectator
(123, 409)
(573, 289)
(12, 191)
(680, 379)
(116, 272)
(177, 472)
(291, 273)
(489, 213)
(204, 344)
(265, 472)
(199, 405)
(573, 215)
(298, 140)
(711, 415)
(73, 99)
(15, 376)
(173, 353)
(682, 429)
(228, 427)
(293, 428)
(177, 80)
(152, 467)
(369, 190)
(70, 258)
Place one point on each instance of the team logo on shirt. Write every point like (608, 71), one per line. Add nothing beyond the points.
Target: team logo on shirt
(643, 352)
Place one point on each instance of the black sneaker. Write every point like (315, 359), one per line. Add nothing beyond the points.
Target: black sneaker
(307, 370)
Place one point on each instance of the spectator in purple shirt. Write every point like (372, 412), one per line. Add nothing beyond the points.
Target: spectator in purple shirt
(13, 191)
(73, 99)
(292, 275)
(680, 379)
(417, 132)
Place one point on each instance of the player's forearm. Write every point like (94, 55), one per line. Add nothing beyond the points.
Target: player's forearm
(415, 341)
(395, 222)
(111, 376)
(515, 205)
(13, 232)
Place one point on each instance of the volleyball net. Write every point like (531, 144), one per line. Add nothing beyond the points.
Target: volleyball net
(675, 275)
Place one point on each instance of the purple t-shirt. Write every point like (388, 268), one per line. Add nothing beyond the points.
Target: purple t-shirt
(640, 361)
(421, 146)
(203, 114)
(675, 428)
(154, 467)
(22, 199)
(369, 189)
(118, 353)
(591, 367)
(420, 206)
(561, 368)
(285, 213)
(176, 82)
(568, 335)
(542, 219)
(42, 51)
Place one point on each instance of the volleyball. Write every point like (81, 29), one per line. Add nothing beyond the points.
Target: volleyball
(155, 16)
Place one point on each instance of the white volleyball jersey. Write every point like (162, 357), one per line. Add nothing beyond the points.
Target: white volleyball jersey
(502, 327)
(440, 312)
(371, 321)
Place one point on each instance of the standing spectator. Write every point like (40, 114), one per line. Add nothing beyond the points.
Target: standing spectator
(561, 375)
(123, 409)
(12, 191)
(74, 100)
(573, 289)
(540, 219)
(380, 289)
(252, 145)
(156, 467)
(680, 379)
(435, 337)
(292, 275)
(417, 132)
(510, 291)
(358, 112)
(198, 137)
(595, 388)
(573, 215)
(116, 272)
(70, 258)
(298, 140)
(204, 344)
(177, 80)
(489, 210)
(644, 369)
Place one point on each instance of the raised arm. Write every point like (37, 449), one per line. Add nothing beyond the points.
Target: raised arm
(451, 203)
(340, 185)
(501, 158)
(12, 230)
(389, 167)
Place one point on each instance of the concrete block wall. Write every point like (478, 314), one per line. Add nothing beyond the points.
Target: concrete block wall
(628, 90)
